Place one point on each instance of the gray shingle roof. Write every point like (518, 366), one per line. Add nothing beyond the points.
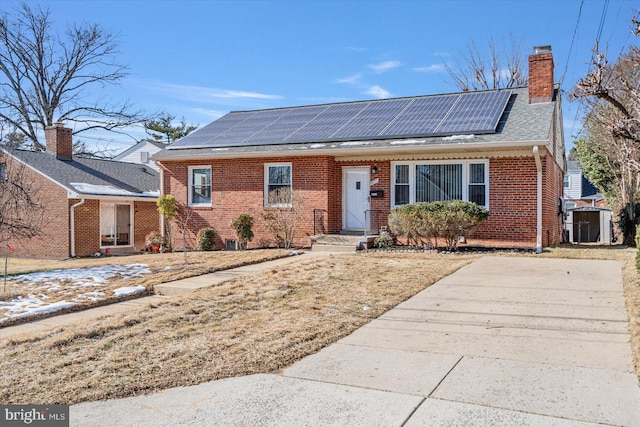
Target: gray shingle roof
(520, 123)
(122, 177)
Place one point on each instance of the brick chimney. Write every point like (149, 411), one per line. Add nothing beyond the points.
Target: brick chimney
(59, 141)
(541, 75)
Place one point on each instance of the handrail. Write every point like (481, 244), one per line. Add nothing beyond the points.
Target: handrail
(319, 221)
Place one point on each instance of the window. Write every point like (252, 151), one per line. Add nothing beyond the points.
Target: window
(199, 185)
(402, 185)
(441, 180)
(566, 182)
(570, 205)
(144, 157)
(277, 184)
(3, 172)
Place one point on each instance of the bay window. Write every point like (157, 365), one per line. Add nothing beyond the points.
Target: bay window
(431, 181)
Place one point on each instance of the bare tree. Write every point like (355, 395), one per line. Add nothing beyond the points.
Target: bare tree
(45, 78)
(495, 68)
(612, 94)
(283, 218)
(183, 220)
(21, 206)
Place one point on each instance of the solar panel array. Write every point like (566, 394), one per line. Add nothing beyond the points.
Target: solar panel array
(454, 114)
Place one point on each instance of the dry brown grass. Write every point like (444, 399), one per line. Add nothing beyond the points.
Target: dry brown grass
(164, 268)
(260, 323)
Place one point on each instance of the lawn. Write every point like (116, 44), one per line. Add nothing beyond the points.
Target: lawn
(259, 323)
(89, 282)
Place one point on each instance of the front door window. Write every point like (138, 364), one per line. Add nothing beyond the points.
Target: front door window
(115, 224)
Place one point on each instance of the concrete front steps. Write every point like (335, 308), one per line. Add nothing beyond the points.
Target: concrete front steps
(340, 242)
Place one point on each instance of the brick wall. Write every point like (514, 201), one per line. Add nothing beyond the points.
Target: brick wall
(53, 242)
(146, 220)
(87, 227)
(238, 187)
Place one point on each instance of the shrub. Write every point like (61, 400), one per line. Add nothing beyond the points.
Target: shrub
(206, 239)
(243, 225)
(425, 222)
(384, 240)
(282, 218)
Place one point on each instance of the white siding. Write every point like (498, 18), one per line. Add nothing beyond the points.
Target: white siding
(574, 191)
(135, 156)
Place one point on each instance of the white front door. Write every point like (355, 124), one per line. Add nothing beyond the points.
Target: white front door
(355, 198)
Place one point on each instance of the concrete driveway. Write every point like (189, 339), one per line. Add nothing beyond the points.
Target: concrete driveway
(503, 341)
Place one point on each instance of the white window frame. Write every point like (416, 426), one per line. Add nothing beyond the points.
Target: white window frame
(566, 182)
(190, 186)
(144, 157)
(465, 177)
(266, 184)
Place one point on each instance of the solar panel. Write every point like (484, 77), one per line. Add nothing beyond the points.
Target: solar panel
(372, 119)
(463, 113)
(326, 123)
(422, 117)
(475, 113)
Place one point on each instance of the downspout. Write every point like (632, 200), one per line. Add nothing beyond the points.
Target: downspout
(536, 156)
(73, 226)
(162, 169)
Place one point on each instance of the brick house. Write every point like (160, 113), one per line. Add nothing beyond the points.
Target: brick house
(351, 163)
(91, 205)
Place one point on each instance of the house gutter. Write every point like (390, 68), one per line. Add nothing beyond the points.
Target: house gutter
(536, 156)
(73, 226)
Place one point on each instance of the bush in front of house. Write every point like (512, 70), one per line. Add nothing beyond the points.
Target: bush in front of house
(206, 239)
(426, 222)
(243, 226)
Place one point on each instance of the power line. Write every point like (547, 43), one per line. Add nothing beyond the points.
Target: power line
(573, 39)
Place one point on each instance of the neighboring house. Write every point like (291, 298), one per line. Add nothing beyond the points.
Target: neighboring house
(141, 153)
(351, 163)
(92, 205)
(588, 218)
(579, 191)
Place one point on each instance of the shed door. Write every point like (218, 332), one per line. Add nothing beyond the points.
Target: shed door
(355, 198)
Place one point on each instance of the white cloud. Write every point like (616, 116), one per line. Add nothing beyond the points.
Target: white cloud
(383, 67)
(215, 114)
(353, 79)
(356, 49)
(435, 68)
(378, 92)
(206, 94)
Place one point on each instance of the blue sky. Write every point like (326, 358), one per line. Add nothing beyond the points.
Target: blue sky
(202, 59)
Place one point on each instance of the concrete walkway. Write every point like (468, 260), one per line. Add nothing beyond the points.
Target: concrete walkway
(164, 291)
(503, 341)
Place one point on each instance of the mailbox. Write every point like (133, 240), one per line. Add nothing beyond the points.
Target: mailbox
(376, 194)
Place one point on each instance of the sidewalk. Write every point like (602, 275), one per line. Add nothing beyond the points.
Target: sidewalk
(163, 291)
(503, 341)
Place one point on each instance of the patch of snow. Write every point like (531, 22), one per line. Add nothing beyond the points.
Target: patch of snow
(220, 149)
(365, 308)
(458, 137)
(168, 267)
(349, 143)
(109, 190)
(34, 308)
(294, 253)
(317, 146)
(128, 290)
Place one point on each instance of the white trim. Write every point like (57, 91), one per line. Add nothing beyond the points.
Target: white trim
(536, 156)
(266, 183)
(465, 177)
(190, 185)
(345, 169)
(72, 228)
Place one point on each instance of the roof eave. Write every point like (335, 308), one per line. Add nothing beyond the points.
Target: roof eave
(306, 152)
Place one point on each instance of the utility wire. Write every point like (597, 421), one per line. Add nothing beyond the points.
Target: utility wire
(573, 39)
